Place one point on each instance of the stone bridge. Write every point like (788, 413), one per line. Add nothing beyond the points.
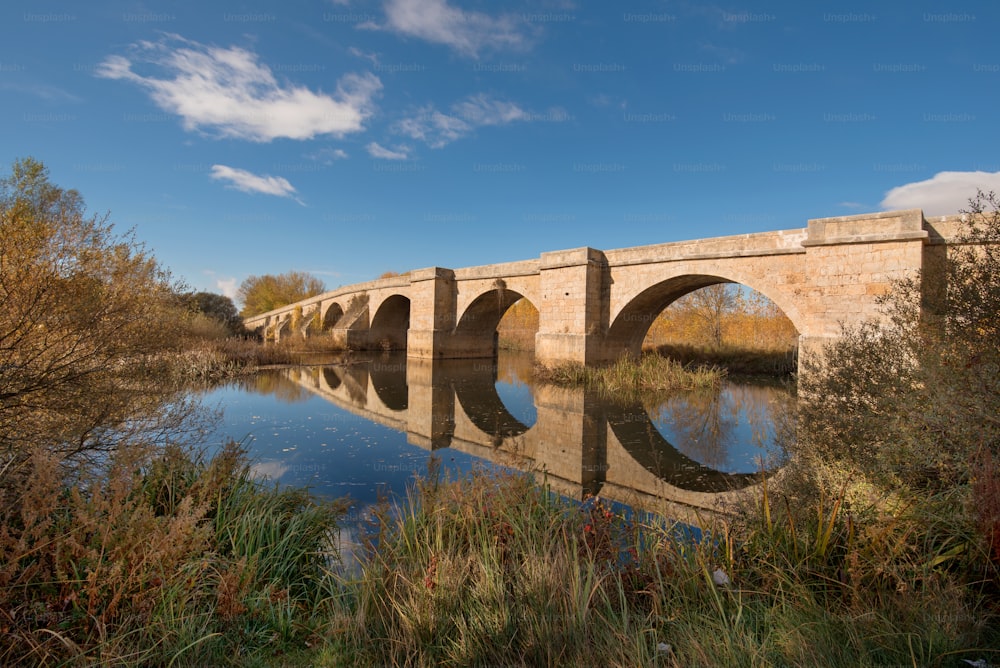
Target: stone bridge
(596, 305)
(577, 443)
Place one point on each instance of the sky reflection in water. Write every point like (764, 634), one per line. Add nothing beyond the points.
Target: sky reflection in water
(365, 430)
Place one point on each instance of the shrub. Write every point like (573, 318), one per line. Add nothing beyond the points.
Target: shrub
(904, 409)
(176, 558)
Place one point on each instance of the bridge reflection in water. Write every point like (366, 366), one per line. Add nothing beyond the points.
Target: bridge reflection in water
(578, 441)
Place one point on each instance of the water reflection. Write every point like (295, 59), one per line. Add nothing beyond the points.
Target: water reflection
(691, 449)
(730, 430)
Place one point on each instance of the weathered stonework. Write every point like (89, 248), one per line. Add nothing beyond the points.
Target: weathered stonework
(597, 305)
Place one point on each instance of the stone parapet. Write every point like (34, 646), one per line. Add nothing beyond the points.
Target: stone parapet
(781, 242)
(867, 228)
(573, 257)
(503, 270)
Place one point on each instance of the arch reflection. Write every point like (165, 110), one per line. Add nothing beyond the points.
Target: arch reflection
(474, 383)
(641, 438)
(581, 443)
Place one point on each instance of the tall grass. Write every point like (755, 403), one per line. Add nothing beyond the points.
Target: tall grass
(629, 376)
(171, 560)
(492, 569)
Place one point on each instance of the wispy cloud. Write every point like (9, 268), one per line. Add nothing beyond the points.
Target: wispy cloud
(370, 56)
(467, 32)
(942, 194)
(328, 155)
(376, 150)
(43, 91)
(228, 91)
(438, 129)
(248, 182)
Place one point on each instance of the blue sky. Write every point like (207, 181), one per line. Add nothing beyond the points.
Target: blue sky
(347, 138)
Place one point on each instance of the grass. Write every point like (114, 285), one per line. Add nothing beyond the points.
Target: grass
(183, 561)
(519, 340)
(174, 560)
(234, 357)
(736, 360)
(493, 569)
(631, 377)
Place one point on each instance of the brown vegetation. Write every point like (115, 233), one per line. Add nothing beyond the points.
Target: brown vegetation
(518, 326)
(85, 316)
(722, 316)
(261, 294)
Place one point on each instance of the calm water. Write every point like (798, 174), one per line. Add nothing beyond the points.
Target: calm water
(371, 426)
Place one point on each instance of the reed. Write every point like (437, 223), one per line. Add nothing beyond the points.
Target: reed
(492, 569)
(632, 377)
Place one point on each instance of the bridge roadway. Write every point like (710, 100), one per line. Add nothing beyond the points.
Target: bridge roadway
(596, 305)
(578, 444)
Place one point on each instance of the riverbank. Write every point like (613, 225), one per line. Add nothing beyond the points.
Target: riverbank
(192, 562)
(494, 569)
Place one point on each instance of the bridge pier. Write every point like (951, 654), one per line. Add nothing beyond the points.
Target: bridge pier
(432, 312)
(434, 319)
(850, 262)
(574, 308)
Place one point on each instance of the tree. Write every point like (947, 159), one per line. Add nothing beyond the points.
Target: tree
(710, 306)
(261, 294)
(911, 401)
(84, 317)
(219, 308)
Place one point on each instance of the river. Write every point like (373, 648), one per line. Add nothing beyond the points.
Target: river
(369, 426)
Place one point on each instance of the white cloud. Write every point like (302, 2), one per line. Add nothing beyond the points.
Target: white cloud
(467, 32)
(942, 194)
(228, 91)
(438, 129)
(376, 150)
(328, 155)
(228, 287)
(248, 182)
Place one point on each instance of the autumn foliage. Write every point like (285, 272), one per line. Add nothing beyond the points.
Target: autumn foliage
(723, 315)
(261, 294)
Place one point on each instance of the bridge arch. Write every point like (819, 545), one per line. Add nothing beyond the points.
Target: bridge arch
(484, 313)
(390, 323)
(331, 315)
(630, 325)
(282, 328)
(476, 329)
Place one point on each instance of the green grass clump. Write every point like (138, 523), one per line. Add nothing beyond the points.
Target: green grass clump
(632, 377)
